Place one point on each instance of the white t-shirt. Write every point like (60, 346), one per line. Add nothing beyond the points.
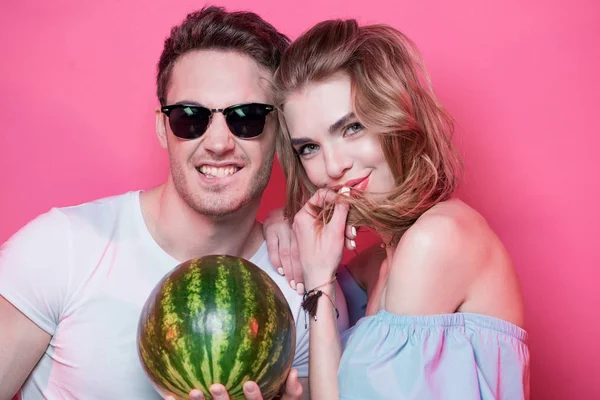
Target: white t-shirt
(83, 274)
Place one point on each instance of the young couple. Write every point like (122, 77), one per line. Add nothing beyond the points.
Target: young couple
(363, 142)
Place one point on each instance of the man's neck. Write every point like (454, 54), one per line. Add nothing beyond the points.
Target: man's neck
(185, 234)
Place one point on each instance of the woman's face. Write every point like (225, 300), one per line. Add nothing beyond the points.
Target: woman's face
(335, 149)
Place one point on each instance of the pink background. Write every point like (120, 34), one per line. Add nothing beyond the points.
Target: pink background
(521, 78)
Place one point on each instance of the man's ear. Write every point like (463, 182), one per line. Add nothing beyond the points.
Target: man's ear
(161, 127)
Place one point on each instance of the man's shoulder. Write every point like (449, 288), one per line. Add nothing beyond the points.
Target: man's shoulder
(62, 220)
(99, 213)
(107, 204)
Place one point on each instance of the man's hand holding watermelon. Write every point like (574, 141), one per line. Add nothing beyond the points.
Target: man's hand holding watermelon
(293, 390)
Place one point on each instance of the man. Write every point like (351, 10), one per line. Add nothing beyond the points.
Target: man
(73, 280)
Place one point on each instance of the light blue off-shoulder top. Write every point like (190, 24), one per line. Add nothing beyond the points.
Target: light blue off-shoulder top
(441, 357)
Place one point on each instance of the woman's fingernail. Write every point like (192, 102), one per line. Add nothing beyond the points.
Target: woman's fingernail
(293, 284)
(353, 231)
(353, 244)
(250, 388)
(344, 191)
(300, 288)
(280, 270)
(218, 390)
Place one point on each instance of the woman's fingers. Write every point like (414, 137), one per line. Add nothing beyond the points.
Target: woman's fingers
(350, 232)
(321, 197)
(350, 244)
(350, 235)
(285, 253)
(320, 245)
(338, 219)
(272, 239)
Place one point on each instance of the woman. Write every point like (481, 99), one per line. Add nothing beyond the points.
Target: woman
(366, 143)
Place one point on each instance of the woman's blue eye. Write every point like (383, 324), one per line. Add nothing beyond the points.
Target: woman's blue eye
(307, 149)
(353, 128)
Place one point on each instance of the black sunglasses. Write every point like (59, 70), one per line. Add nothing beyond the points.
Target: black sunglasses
(245, 121)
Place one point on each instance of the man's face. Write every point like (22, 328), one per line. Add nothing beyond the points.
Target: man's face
(219, 173)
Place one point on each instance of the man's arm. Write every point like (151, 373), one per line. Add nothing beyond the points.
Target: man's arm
(22, 344)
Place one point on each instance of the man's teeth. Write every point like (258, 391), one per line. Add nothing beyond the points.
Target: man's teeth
(218, 172)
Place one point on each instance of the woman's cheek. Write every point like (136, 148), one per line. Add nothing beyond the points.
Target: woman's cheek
(315, 174)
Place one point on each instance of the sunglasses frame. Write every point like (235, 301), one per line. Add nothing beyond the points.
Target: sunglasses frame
(268, 108)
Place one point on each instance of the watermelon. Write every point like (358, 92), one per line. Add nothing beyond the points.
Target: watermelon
(216, 319)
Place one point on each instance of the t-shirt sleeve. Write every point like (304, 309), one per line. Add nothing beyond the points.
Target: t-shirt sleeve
(302, 344)
(34, 269)
(301, 356)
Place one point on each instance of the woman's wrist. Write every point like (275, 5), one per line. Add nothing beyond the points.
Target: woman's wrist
(312, 298)
(322, 282)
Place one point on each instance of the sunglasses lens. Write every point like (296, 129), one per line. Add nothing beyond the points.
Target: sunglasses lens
(189, 122)
(248, 121)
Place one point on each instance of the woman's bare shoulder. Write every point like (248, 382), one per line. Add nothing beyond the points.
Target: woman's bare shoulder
(453, 222)
(453, 255)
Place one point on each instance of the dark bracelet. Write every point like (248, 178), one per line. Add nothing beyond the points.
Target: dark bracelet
(310, 302)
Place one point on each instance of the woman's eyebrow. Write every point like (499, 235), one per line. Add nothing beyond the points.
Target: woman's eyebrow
(341, 122)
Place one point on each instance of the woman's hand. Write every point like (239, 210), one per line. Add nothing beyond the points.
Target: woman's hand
(283, 247)
(320, 246)
(293, 390)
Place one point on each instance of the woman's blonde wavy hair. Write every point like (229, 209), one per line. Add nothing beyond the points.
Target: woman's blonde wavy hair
(391, 95)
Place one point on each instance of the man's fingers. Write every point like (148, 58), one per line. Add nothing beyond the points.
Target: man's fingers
(218, 392)
(293, 387)
(197, 395)
(252, 391)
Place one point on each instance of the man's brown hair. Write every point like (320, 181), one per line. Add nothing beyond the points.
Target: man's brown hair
(214, 28)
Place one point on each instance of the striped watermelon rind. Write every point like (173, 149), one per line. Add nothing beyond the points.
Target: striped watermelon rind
(216, 319)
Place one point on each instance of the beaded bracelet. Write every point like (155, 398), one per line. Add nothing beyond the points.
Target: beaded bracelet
(310, 301)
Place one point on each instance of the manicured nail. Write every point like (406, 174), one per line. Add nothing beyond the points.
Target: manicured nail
(353, 231)
(293, 284)
(300, 288)
(280, 270)
(353, 244)
(345, 191)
